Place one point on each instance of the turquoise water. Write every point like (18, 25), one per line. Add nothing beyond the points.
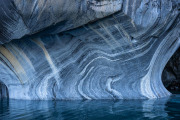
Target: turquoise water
(160, 109)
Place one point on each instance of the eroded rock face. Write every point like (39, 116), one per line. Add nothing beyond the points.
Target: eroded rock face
(120, 56)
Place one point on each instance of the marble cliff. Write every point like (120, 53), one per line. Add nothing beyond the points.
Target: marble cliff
(87, 49)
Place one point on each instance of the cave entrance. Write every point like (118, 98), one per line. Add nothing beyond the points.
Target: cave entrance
(4, 94)
(171, 73)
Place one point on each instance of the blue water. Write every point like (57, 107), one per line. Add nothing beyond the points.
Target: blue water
(160, 109)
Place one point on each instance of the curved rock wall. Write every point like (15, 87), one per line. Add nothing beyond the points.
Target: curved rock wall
(121, 56)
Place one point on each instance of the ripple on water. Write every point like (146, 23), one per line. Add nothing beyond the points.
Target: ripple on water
(165, 108)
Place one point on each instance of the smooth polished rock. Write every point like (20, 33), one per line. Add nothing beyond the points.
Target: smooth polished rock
(121, 56)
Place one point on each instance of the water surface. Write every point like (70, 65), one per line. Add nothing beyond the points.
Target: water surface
(160, 109)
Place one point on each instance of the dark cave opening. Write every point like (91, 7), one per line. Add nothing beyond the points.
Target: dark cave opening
(171, 73)
(4, 94)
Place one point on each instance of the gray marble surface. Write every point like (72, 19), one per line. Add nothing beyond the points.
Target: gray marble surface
(111, 49)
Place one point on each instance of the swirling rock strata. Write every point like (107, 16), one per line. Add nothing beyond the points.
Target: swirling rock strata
(121, 56)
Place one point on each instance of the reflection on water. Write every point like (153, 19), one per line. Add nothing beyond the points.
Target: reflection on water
(164, 108)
